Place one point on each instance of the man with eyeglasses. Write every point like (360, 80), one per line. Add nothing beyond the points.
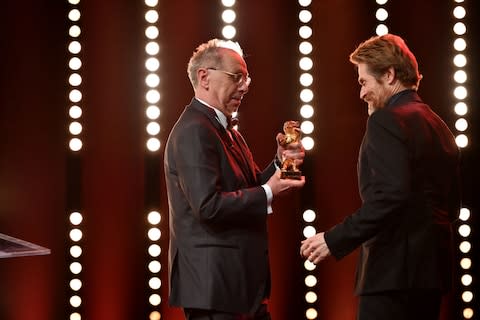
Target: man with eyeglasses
(218, 198)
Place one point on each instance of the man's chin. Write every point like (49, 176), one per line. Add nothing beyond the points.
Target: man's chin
(235, 105)
(371, 110)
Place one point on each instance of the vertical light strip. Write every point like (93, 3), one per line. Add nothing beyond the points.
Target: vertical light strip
(381, 15)
(75, 146)
(75, 79)
(229, 31)
(154, 265)
(75, 284)
(460, 74)
(153, 143)
(228, 17)
(460, 94)
(311, 296)
(152, 79)
(465, 275)
(306, 111)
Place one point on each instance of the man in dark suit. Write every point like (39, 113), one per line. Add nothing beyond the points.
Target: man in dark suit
(408, 171)
(218, 198)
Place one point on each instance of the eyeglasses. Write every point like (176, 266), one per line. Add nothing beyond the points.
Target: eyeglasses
(238, 78)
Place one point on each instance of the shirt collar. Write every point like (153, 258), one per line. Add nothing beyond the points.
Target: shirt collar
(393, 99)
(219, 114)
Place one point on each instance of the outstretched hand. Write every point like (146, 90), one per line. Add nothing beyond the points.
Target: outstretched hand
(315, 248)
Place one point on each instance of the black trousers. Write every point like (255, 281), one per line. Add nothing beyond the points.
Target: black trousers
(409, 304)
(199, 314)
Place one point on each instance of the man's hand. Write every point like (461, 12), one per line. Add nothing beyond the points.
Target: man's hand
(315, 248)
(279, 185)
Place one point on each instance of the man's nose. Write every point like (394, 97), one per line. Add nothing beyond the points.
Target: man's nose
(362, 93)
(243, 88)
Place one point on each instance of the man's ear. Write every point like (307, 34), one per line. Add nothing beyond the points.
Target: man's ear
(202, 78)
(390, 75)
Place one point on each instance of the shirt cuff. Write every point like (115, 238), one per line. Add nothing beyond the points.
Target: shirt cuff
(268, 192)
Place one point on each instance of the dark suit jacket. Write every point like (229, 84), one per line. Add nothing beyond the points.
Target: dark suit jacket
(218, 257)
(408, 181)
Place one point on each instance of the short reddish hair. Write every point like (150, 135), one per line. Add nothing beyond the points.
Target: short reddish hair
(380, 53)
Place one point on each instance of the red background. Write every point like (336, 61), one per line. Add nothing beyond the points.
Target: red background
(40, 181)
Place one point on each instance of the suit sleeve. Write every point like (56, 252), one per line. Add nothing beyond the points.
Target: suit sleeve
(199, 154)
(384, 176)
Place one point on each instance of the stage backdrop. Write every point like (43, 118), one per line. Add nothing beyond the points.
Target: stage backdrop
(36, 168)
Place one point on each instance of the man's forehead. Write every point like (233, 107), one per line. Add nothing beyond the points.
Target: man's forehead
(230, 57)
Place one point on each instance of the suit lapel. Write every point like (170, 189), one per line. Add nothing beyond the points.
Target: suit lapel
(235, 144)
(241, 153)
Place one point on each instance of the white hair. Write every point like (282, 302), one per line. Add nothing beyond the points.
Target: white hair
(229, 44)
(207, 55)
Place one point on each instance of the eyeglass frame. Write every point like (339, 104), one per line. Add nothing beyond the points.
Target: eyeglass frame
(241, 77)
